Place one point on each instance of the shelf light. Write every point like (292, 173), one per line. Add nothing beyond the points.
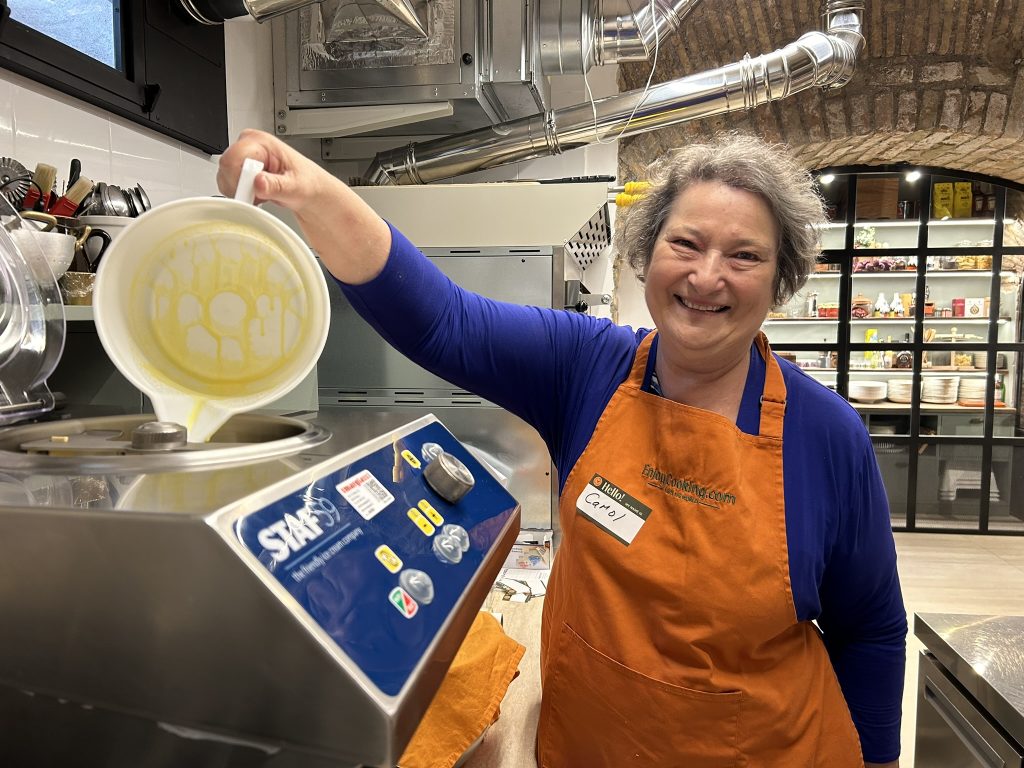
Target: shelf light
(827, 178)
(913, 176)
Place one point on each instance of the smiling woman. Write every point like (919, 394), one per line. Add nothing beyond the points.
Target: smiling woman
(722, 514)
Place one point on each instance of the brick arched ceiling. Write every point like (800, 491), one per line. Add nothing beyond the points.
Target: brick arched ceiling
(940, 83)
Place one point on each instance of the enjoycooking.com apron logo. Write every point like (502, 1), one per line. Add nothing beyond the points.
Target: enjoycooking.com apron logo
(687, 489)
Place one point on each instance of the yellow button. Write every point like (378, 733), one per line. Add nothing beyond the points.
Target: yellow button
(421, 522)
(433, 514)
(413, 461)
(388, 558)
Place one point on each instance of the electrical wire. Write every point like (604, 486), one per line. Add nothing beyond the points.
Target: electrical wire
(647, 87)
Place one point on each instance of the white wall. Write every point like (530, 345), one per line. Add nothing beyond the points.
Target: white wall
(41, 125)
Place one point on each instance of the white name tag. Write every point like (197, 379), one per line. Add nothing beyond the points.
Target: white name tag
(612, 509)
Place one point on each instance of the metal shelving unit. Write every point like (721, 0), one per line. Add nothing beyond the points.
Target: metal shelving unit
(947, 467)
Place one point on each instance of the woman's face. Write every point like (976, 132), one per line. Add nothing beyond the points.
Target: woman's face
(710, 282)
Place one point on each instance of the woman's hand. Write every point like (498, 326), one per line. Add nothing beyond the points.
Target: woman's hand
(348, 236)
(288, 179)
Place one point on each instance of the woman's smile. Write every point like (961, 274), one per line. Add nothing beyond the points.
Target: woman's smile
(702, 306)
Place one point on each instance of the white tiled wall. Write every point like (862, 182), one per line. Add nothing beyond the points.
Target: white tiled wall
(40, 125)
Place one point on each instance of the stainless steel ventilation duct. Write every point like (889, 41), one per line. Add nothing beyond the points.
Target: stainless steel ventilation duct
(816, 59)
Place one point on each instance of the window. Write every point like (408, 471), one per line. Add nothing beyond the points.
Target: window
(92, 27)
(145, 60)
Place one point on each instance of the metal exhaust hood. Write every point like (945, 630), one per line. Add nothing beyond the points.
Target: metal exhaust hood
(475, 77)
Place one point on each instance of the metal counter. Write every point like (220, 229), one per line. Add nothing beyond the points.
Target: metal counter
(970, 708)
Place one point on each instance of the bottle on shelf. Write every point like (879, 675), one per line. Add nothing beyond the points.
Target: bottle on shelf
(871, 357)
(881, 305)
(887, 356)
(904, 358)
(812, 305)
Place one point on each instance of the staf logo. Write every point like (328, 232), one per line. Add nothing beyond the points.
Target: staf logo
(293, 531)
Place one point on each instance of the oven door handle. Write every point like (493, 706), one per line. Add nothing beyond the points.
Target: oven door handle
(961, 725)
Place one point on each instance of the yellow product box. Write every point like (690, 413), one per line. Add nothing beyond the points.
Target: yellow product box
(942, 200)
(962, 200)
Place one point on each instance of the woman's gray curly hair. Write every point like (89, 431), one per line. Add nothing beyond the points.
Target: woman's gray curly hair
(743, 162)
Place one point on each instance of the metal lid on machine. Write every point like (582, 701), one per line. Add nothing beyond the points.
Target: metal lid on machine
(31, 323)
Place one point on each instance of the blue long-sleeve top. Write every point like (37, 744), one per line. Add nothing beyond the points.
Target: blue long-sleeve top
(557, 370)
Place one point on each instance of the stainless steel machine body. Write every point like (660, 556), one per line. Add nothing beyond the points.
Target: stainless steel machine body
(970, 696)
(219, 607)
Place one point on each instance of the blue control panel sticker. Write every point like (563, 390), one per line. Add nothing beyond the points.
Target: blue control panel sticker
(326, 544)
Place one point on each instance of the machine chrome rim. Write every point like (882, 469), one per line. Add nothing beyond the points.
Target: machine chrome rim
(303, 435)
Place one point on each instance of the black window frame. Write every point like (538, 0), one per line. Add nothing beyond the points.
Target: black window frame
(154, 36)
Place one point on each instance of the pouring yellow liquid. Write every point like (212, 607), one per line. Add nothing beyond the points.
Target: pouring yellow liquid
(218, 311)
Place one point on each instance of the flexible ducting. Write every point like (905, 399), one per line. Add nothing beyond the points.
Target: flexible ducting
(816, 59)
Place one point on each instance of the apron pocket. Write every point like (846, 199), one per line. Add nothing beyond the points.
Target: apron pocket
(598, 712)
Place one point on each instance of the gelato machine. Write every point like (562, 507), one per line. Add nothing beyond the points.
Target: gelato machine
(282, 595)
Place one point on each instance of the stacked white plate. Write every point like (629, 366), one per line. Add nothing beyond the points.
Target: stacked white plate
(981, 359)
(972, 388)
(939, 389)
(867, 391)
(900, 390)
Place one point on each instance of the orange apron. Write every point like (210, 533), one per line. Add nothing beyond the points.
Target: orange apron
(682, 646)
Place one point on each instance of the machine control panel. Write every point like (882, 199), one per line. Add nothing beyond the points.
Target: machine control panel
(379, 551)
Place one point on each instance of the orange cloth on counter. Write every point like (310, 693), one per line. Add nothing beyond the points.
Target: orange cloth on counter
(469, 699)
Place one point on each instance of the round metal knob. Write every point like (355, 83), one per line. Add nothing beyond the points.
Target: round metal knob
(159, 436)
(449, 477)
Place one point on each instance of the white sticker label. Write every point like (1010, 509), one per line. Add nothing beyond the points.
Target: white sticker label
(365, 493)
(618, 520)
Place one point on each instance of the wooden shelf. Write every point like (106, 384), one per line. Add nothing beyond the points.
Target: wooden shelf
(904, 320)
(907, 371)
(885, 406)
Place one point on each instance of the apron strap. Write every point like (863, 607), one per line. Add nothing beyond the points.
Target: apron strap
(642, 360)
(773, 399)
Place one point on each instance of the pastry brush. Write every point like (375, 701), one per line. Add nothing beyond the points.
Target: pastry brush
(42, 184)
(68, 204)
